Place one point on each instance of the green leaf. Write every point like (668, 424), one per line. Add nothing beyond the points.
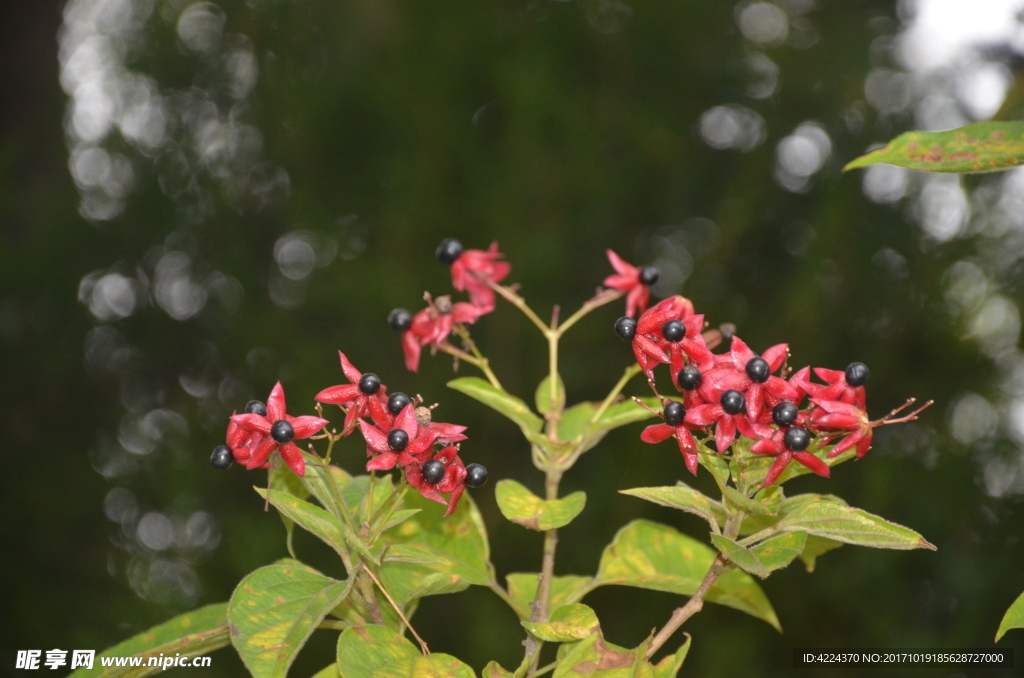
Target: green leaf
(669, 666)
(192, 634)
(330, 671)
(318, 482)
(525, 508)
(574, 420)
(408, 553)
(850, 525)
(310, 518)
(495, 670)
(745, 503)
(273, 612)
(434, 665)
(522, 588)
(981, 147)
(567, 623)
(626, 412)
(815, 547)
(682, 497)
(364, 649)
(458, 545)
(545, 403)
(648, 555)
(1013, 619)
(508, 405)
(356, 492)
(399, 517)
(778, 552)
(739, 555)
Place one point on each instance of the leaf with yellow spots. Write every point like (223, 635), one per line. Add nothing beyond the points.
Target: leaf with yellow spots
(429, 666)
(192, 634)
(593, 657)
(273, 612)
(364, 649)
(981, 147)
(648, 555)
(567, 623)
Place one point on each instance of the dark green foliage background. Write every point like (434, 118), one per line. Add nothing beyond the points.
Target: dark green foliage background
(588, 138)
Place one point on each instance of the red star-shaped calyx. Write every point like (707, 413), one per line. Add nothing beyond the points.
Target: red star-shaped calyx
(278, 430)
(364, 396)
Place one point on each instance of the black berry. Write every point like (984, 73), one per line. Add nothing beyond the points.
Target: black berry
(398, 440)
(399, 320)
(256, 407)
(797, 439)
(476, 475)
(784, 414)
(758, 370)
(674, 413)
(857, 374)
(673, 331)
(733, 402)
(625, 327)
(649, 275)
(433, 471)
(689, 378)
(397, 402)
(282, 431)
(448, 251)
(369, 383)
(222, 457)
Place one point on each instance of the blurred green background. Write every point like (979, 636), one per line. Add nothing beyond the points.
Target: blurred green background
(199, 199)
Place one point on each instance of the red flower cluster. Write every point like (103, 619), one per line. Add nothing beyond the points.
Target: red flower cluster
(400, 434)
(743, 393)
(473, 271)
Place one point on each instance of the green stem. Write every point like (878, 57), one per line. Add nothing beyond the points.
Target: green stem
(520, 303)
(503, 594)
(366, 588)
(555, 413)
(482, 363)
(597, 301)
(542, 600)
(334, 624)
(543, 670)
(628, 374)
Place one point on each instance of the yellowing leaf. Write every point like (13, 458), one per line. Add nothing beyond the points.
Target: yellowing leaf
(567, 623)
(435, 665)
(648, 555)
(274, 610)
(364, 649)
(192, 634)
